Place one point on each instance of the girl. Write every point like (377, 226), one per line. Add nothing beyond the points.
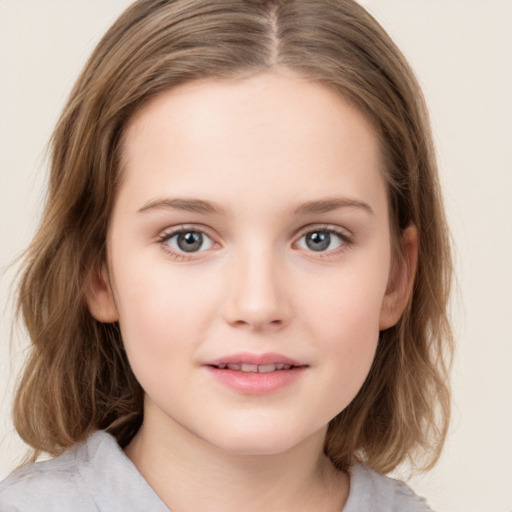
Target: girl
(237, 295)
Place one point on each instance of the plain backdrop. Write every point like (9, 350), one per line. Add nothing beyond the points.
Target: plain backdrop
(461, 51)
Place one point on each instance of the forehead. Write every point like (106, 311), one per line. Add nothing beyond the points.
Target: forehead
(277, 131)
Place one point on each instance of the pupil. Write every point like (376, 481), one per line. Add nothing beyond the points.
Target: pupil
(190, 241)
(318, 240)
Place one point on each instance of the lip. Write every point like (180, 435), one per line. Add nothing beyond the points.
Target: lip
(258, 359)
(255, 383)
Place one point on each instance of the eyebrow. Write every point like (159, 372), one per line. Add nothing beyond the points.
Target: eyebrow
(328, 205)
(207, 207)
(188, 205)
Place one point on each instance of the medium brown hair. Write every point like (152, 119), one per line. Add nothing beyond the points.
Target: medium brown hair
(77, 378)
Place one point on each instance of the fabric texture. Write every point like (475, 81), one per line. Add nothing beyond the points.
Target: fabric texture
(96, 476)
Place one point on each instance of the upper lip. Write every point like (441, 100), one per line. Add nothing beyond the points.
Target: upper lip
(255, 359)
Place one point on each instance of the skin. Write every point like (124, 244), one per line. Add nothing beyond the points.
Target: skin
(263, 150)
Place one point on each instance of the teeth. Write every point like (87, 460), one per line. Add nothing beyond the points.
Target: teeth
(254, 368)
(249, 368)
(267, 368)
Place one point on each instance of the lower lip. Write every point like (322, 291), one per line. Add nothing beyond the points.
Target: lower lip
(252, 383)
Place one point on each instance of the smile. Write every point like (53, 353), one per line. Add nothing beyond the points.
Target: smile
(254, 368)
(256, 374)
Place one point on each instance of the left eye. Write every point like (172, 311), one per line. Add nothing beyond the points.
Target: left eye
(320, 241)
(189, 241)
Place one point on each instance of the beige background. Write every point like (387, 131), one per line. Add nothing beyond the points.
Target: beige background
(462, 53)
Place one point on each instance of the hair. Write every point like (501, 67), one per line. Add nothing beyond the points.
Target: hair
(77, 378)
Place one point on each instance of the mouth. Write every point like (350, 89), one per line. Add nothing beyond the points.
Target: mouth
(255, 363)
(254, 368)
(253, 374)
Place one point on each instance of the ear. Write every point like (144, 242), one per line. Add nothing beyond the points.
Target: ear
(100, 298)
(401, 279)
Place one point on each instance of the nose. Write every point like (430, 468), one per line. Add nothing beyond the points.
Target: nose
(259, 293)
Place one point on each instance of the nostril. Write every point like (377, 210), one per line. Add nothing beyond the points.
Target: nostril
(257, 323)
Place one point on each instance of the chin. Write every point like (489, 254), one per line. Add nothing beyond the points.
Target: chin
(263, 441)
(257, 447)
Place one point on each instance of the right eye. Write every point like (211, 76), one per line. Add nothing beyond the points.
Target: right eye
(187, 241)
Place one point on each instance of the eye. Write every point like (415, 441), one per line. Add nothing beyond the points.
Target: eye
(321, 240)
(188, 241)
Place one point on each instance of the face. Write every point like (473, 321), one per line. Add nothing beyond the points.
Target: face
(249, 259)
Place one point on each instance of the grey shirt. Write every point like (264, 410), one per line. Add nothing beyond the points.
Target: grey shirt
(97, 476)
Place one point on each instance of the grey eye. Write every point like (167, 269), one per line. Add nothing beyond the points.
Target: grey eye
(320, 241)
(190, 241)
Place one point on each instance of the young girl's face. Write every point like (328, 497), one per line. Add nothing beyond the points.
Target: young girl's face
(249, 258)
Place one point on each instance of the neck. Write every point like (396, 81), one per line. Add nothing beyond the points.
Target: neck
(190, 474)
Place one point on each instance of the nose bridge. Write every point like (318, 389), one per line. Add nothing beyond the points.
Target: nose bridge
(258, 296)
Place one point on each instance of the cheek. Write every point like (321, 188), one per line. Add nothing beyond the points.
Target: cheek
(161, 310)
(347, 303)
(349, 330)
(158, 330)
(344, 321)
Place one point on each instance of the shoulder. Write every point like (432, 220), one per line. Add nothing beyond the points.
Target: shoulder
(44, 485)
(370, 490)
(92, 476)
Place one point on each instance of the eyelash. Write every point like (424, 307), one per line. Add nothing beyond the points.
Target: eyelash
(164, 238)
(345, 241)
